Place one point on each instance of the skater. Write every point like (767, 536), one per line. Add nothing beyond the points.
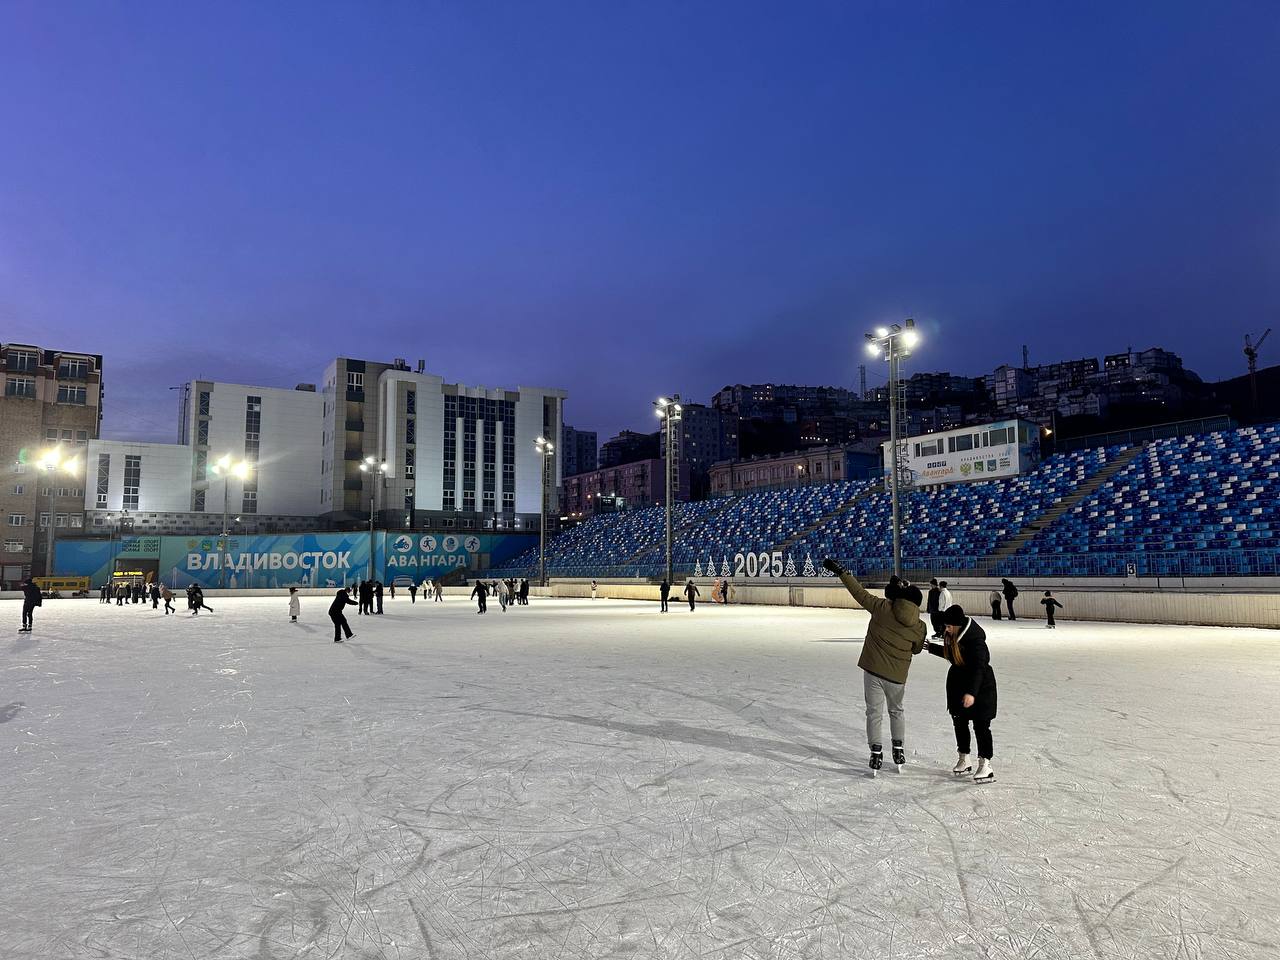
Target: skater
(504, 595)
(340, 626)
(480, 592)
(1010, 593)
(197, 600)
(167, 595)
(102, 592)
(691, 592)
(726, 591)
(121, 589)
(377, 595)
(664, 591)
(365, 592)
(971, 690)
(717, 592)
(944, 597)
(593, 589)
(31, 598)
(1049, 604)
(413, 593)
(994, 599)
(524, 592)
(392, 590)
(294, 605)
(894, 636)
(439, 589)
(155, 595)
(931, 607)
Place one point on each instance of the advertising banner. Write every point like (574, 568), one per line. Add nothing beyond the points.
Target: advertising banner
(288, 560)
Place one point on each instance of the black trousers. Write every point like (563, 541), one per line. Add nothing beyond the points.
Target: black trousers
(995, 611)
(691, 603)
(936, 620)
(981, 730)
(664, 604)
(1009, 603)
(340, 626)
(1052, 622)
(168, 607)
(26, 615)
(484, 605)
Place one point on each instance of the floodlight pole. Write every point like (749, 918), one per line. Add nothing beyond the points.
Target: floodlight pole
(895, 473)
(670, 412)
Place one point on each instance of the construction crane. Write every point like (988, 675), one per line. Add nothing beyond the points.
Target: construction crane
(1251, 354)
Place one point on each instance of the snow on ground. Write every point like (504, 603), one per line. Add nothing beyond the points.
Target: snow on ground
(589, 779)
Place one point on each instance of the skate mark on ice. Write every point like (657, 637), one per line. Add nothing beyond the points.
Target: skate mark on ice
(1088, 929)
(774, 750)
(1139, 888)
(11, 710)
(955, 857)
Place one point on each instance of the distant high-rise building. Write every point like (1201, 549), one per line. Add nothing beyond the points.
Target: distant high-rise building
(50, 408)
(629, 447)
(578, 450)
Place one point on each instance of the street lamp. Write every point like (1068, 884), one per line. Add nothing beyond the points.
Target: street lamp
(894, 343)
(670, 412)
(379, 467)
(49, 464)
(226, 468)
(546, 450)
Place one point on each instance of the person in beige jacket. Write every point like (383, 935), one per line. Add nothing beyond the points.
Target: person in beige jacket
(895, 635)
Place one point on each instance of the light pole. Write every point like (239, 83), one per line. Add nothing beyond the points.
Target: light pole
(379, 469)
(226, 468)
(546, 449)
(49, 464)
(669, 412)
(894, 343)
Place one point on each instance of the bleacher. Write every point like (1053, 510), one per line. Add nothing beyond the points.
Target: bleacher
(1190, 506)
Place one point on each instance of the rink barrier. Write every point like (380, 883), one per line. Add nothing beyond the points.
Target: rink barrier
(1090, 601)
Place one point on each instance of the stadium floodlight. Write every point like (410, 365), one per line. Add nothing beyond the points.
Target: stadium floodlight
(546, 450)
(895, 342)
(51, 461)
(227, 467)
(671, 413)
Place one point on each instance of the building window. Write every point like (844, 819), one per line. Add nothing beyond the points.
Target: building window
(67, 435)
(202, 433)
(408, 464)
(104, 478)
(18, 489)
(43, 520)
(19, 387)
(77, 519)
(355, 381)
(132, 481)
(51, 435)
(23, 361)
(252, 444)
(410, 431)
(17, 520)
(197, 502)
(72, 394)
(203, 407)
(60, 520)
(250, 501)
(73, 369)
(82, 436)
(411, 402)
(14, 546)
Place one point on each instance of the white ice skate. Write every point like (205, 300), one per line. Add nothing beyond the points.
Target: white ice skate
(962, 766)
(985, 774)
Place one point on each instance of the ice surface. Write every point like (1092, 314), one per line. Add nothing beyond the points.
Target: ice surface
(590, 779)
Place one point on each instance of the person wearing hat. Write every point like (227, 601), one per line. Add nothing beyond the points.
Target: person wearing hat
(971, 689)
(895, 635)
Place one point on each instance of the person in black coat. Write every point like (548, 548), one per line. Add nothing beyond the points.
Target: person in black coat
(197, 600)
(524, 592)
(377, 593)
(1010, 592)
(31, 598)
(664, 591)
(931, 608)
(971, 689)
(1049, 604)
(365, 593)
(155, 595)
(481, 594)
(340, 626)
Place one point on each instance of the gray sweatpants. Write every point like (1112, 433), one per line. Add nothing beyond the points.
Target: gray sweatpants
(879, 694)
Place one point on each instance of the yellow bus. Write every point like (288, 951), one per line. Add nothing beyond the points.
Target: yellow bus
(58, 586)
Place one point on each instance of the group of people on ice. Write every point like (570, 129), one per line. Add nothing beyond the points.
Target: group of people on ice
(509, 593)
(894, 637)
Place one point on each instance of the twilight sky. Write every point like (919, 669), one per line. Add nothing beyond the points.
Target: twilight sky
(625, 199)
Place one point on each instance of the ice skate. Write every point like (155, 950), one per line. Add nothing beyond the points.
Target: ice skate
(962, 766)
(985, 774)
(899, 756)
(877, 760)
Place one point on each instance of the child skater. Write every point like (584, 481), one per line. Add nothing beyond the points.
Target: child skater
(294, 605)
(1049, 603)
(971, 689)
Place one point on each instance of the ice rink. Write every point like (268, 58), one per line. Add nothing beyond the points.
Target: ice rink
(595, 779)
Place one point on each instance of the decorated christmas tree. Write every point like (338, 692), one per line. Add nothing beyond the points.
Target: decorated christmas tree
(790, 569)
(697, 569)
(808, 567)
(724, 566)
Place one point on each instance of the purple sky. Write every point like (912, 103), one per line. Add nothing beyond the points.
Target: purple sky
(629, 199)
